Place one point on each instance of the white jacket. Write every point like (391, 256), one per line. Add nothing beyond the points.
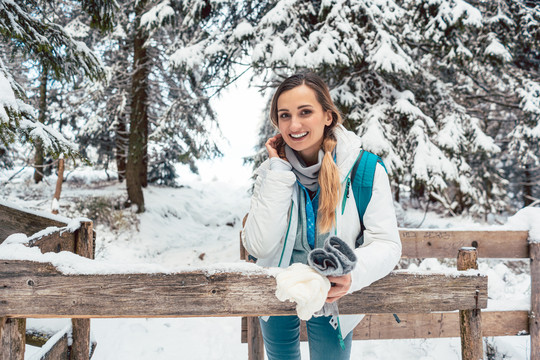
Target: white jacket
(270, 229)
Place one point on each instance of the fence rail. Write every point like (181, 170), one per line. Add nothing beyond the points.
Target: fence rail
(32, 289)
(15, 220)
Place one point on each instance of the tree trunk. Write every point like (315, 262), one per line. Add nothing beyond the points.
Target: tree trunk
(59, 181)
(144, 167)
(527, 187)
(121, 147)
(38, 157)
(139, 114)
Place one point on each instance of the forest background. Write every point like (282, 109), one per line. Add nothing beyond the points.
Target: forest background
(447, 92)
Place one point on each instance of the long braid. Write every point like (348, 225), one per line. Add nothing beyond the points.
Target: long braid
(329, 184)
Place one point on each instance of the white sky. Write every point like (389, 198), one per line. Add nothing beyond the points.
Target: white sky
(239, 111)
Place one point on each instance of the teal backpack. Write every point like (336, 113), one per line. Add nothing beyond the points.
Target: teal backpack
(362, 175)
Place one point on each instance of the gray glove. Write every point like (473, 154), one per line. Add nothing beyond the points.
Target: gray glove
(336, 258)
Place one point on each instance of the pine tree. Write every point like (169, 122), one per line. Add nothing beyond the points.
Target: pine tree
(420, 81)
(28, 32)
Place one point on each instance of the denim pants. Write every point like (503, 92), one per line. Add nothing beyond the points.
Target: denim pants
(281, 336)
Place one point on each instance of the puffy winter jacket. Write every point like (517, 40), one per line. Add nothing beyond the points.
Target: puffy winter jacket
(270, 229)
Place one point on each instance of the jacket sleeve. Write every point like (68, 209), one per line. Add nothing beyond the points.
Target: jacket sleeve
(381, 250)
(266, 223)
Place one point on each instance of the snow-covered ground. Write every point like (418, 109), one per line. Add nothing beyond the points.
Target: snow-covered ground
(198, 224)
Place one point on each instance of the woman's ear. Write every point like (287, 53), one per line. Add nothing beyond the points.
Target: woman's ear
(329, 118)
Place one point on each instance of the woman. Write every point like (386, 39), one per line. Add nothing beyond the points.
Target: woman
(300, 198)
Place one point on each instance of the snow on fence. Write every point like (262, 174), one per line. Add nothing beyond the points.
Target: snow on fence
(443, 244)
(38, 289)
(51, 233)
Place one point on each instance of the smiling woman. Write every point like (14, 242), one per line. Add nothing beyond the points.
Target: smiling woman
(302, 199)
(302, 121)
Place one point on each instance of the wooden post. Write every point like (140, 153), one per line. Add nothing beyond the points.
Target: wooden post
(12, 338)
(255, 339)
(470, 321)
(84, 245)
(59, 181)
(254, 334)
(534, 316)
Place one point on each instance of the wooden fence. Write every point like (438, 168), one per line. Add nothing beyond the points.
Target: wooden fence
(444, 244)
(12, 328)
(32, 290)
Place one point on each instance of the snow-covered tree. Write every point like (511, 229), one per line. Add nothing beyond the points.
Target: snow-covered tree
(28, 32)
(420, 81)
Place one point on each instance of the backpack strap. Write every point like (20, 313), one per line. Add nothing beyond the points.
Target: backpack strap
(362, 175)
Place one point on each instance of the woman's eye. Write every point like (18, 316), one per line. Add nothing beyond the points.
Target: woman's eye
(283, 116)
(306, 112)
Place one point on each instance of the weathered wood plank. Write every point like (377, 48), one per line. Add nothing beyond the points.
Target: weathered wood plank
(437, 325)
(12, 338)
(470, 321)
(433, 325)
(56, 242)
(58, 350)
(29, 289)
(255, 339)
(16, 221)
(445, 244)
(535, 301)
(80, 348)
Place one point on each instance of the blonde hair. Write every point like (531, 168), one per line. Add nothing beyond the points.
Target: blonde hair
(329, 183)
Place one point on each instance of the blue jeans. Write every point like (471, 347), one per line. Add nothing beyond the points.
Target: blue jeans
(281, 336)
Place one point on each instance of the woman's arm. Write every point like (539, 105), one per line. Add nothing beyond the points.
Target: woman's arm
(268, 215)
(382, 249)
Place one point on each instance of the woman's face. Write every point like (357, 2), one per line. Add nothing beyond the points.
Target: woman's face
(301, 121)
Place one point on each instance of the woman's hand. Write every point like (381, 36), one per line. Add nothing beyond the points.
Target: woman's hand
(272, 145)
(341, 287)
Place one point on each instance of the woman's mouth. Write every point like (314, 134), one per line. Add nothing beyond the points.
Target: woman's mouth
(298, 136)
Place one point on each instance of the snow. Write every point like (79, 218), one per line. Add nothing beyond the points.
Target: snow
(39, 213)
(242, 30)
(157, 14)
(496, 49)
(530, 98)
(389, 57)
(49, 344)
(182, 224)
(197, 227)
(189, 56)
(527, 218)
(7, 97)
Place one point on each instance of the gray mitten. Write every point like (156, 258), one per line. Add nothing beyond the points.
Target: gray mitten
(336, 258)
(325, 263)
(343, 252)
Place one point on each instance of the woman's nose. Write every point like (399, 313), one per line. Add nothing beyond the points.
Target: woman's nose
(295, 123)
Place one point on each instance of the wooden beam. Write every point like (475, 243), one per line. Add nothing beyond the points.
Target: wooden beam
(80, 348)
(433, 325)
(58, 350)
(17, 221)
(445, 244)
(12, 338)
(470, 321)
(535, 301)
(438, 325)
(254, 337)
(55, 242)
(30, 289)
